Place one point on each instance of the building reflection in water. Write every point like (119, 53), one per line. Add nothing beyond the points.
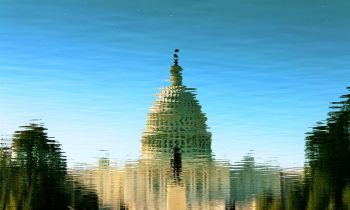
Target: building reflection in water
(177, 169)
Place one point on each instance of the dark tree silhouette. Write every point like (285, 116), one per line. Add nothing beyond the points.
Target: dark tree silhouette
(39, 168)
(328, 156)
(34, 174)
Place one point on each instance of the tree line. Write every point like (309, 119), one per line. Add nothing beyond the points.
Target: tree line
(33, 174)
(325, 183)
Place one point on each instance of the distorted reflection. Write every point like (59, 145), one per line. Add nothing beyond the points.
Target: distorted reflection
(34, 174)
(176, 120)
(177, 168)
(328, 156)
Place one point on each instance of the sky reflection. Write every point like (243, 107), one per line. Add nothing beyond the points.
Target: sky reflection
(265, 71)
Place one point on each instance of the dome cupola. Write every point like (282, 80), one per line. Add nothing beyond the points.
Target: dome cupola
(176, 119)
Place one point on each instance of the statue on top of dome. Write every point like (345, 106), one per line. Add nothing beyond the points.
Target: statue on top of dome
(176, 57)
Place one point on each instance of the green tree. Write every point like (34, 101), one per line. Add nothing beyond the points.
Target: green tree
(328, 155)
(34, 174)
(40, 170)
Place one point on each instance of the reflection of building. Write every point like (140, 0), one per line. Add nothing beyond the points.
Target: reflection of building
(249, 180)
(176, 119)
(152, 184)
(176, 169)
(203, 183)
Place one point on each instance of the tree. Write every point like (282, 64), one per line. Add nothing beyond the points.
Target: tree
(328, 155)
(39, 168)
(34, 174)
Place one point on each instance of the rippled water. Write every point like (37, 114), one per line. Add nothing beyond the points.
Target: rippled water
(177, 168)
(259, 134)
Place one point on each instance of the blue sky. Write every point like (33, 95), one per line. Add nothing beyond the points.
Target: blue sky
(265, 70)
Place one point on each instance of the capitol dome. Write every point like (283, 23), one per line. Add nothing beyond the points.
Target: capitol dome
(176, 119)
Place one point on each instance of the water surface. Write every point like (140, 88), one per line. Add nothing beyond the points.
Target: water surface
(266, 72)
